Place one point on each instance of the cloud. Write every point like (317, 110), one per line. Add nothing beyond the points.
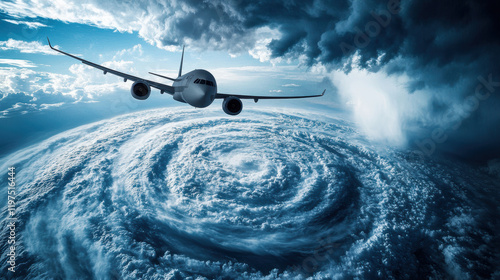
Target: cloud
(276, 90)
(24, 90)
(17, 62)
(135, 51)
(29, 24)
(22, 103)
(380, 104)
(166, 24)
(277, 28)
(26, 47)
(290, 85)
(260, 50)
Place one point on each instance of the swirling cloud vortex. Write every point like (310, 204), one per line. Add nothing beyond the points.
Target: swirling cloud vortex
(195, 194)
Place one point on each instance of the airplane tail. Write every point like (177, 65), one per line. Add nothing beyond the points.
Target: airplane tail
(165, 77)
(182, 59)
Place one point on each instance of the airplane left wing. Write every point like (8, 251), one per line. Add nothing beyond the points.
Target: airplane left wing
(125, 76)
(257, 97)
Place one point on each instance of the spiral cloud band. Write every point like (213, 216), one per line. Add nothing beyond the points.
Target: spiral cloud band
(187, 194)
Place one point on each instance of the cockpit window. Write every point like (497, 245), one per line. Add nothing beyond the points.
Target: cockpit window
(204, 82)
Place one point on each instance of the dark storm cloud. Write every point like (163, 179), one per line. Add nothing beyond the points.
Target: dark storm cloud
(431, 32)
(450, 49)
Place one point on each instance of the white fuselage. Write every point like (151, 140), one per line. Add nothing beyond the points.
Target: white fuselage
(197, 88)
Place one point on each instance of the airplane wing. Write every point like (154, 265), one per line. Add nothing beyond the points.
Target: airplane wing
(160, 86)
(257, 97)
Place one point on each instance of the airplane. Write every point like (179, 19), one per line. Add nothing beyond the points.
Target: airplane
(197, 88)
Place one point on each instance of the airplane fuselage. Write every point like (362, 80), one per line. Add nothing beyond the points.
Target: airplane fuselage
(197, 88)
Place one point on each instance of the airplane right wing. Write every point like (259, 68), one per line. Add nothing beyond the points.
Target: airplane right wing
(257, 97)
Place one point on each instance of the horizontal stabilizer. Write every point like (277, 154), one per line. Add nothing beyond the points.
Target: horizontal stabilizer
(165, 77)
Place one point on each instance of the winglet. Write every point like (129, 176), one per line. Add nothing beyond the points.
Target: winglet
(182, 59)
(49, 43)
(323, 93)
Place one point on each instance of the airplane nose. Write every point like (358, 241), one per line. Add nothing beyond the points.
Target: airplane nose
(198, 97)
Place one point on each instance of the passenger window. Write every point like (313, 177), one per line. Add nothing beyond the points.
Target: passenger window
(202, 82)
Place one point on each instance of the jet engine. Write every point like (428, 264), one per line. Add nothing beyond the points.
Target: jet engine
(140, 90)
(232, 105)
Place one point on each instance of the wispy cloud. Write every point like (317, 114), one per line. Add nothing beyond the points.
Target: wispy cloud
(276, 90)
(30, 24)
(17, 62)
(26, 47)
(135, 52)
(290, 85)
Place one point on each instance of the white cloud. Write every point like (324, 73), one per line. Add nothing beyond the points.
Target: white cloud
(24, 90)
(17, 62)
(26, 47)
(382, 106)
(135, 51)
(84, 12)
(165, 24)
(276, 90)
(30, 24)
(260, 50)
(290, 85)
(93, 83)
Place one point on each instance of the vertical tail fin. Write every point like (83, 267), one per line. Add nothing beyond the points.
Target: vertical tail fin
(182, 59)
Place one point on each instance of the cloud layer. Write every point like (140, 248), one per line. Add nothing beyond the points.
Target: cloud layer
(195, 194)
(324, 31)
